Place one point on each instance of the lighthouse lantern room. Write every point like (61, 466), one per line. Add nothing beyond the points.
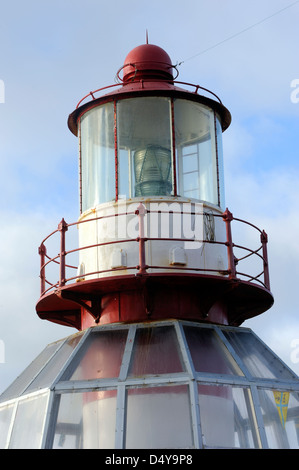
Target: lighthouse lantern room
(157, 287)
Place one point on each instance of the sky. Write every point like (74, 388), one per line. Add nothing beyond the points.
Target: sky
(54, 53)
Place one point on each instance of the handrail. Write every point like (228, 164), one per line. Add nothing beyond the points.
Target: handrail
(143, 80)
(232, 273)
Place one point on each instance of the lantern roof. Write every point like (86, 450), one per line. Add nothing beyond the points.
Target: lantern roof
(148, 70)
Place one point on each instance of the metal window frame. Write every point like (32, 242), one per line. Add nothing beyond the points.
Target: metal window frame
(189, 376)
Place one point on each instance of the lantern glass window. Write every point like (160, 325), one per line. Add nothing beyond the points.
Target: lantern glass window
(128, 148)
(97, 156)
(196, 155)
(220, 167)
(144, 147)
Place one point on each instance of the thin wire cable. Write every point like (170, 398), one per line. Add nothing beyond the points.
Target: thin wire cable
(238, 34)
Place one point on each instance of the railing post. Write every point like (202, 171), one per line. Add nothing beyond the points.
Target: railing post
(42, 251)
(141, 211)
(228, 217)
(62, 227)
(264, 241)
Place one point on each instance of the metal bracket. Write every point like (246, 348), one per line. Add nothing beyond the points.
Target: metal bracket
(92, 303)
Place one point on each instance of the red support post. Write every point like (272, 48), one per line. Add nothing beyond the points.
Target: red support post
(141, 211)
(228, 217)
(174, 175)
(264, 241)
(42, 251)
(62, 227)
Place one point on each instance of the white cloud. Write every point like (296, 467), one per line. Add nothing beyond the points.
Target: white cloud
(270, 202)
(23, 334)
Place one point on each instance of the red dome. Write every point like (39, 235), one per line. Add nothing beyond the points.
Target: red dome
(147, 61)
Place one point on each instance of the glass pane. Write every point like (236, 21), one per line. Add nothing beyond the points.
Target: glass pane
(101, 355)
(259, 360)
(207, 174)
(86, 421)
(190, 162)
(98, 156)
(158, 418)
(208, 353)
(220, 162)
(281, 418)
(195, 151)
(226, 416)
(156, 351)
(47, 376)
(29, 422)
(5, 417)
(21, 383)
(191, 183)
(144, 147)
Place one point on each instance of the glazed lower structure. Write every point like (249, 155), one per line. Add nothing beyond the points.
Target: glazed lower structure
(166, 384)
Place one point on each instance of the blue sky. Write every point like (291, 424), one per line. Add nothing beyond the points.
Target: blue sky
(53, 53)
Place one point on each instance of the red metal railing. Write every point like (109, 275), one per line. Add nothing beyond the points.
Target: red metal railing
(262, 278)
(91, 94)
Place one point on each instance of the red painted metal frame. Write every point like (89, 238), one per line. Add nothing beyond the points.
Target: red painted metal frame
(228, 217)
(174, 173)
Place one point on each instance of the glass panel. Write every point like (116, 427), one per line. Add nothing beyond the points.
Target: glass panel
(101, 355)
(86, 421)
(281, 418)
(97, 156)
(226, 416)
(208, 353)
(190, 160)
(156, 351)
(5, 417)
(259, 359)
(47, 376)
(191, 184)
(20, 384)
(195, 151)
(158, 418)
(220, 163)
(29, 422)
(144, 147)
